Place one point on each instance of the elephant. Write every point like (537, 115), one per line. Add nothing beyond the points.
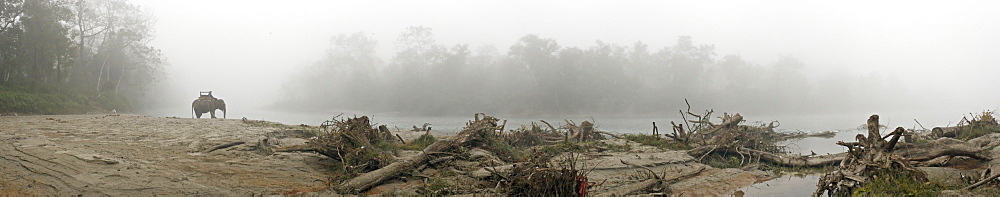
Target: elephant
(203, 105)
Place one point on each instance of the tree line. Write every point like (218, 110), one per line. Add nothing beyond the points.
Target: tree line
(61, 56)
(539, 77)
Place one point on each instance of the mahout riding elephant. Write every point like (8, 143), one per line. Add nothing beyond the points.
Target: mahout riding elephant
(203, 105)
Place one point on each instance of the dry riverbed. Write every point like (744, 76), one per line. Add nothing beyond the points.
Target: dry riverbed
(127, 155)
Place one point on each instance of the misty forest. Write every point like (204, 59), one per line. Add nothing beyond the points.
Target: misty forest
(540, 77)
(75, 57)
(425, 99)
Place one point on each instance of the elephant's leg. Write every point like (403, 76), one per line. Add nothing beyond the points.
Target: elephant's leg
(213, 113)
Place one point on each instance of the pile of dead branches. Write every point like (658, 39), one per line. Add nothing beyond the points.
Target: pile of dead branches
(354, 142)
(752, 143)
(728, 133)
(584, 132)
(538, 177)
(534, 135)
(979, 125)
(479, 133)
(865, 157)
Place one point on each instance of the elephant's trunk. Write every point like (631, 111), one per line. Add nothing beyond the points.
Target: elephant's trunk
(223, 108)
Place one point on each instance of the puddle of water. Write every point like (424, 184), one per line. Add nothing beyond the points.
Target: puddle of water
(807, 146)
(800, 185)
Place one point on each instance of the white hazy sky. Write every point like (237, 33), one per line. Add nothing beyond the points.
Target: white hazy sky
(247, 48)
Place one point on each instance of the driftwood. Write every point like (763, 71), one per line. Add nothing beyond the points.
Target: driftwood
(942, 147)
(534, 134)
(655, 180)
(584, 132)
(983, 121)
(983, 181)
(472, 133)
(350, 142)
(797, 135)
(869, 154)
(945, 131)
(779, 159)
(226, 145)
(616, 136)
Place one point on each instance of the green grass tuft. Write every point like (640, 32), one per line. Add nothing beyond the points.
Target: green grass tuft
(897, 183)
(654, 141)
(420, 143)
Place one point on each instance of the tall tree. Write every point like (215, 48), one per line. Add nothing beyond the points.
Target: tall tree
(535, 57)
(121, 59)
(413, 67)
(11, 12)
(46, 47)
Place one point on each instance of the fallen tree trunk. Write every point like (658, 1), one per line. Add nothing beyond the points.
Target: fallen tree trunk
(644, 185)
(786, 160)
(474, 132)
(981, 182)
(941, 147)
(226, 145)
(616, 136)
(914, 152)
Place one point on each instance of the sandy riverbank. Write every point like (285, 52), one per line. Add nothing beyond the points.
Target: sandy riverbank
(142, 155)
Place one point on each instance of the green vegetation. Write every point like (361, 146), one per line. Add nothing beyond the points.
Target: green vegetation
(724, 160)
(654, 141)
(63, 57)
(980, 125)
(580, 147)
(974, 131)
(437, 186)
(26, 99)
(269, 124)
(503, 150)
(898, 183)
(420, 143)
(561, 147)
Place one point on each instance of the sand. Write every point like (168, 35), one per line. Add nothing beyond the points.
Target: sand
(141, 155)
(128, 155)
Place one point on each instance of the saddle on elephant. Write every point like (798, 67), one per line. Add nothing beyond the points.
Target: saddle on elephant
(206, 95)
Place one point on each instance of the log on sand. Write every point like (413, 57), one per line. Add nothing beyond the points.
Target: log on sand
(942, 147)
(368, 180)
(646, 184)
(913, 152)
(780, 159)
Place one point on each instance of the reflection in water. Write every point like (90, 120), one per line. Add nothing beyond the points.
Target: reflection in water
(821, 146)
(799, 184)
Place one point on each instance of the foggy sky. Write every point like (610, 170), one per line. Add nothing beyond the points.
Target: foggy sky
(244, 50)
